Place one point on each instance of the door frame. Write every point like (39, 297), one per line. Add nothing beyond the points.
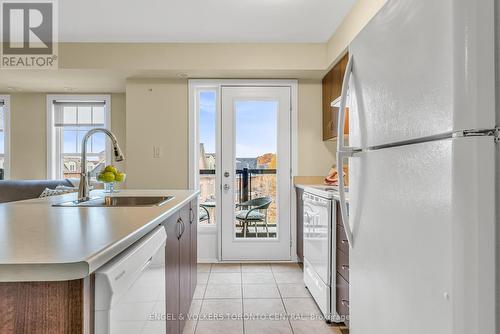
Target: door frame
(7, 136)
(195, 85)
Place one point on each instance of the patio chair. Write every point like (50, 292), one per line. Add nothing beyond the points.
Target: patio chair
(203, 214)
(255, 211)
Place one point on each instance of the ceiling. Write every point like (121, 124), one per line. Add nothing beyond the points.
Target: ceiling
(273, 21)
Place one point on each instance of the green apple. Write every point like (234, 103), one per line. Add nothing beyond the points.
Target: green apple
(120, 177)
(111, 169)
(108, 177)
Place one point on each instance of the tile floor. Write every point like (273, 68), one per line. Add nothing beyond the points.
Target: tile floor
(254, 298)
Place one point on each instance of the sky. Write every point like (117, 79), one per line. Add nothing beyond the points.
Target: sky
(256, 126)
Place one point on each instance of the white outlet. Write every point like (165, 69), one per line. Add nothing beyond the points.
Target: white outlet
(156, 152)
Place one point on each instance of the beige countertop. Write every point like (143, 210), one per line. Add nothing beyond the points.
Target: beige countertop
(39, 242)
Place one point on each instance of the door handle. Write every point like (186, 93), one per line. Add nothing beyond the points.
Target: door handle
(226, 187)
(344, 152)
(226, 174)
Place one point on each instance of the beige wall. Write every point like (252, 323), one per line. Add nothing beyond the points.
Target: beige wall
(315, 156)
(358, 17)
(28, 146)
(157, 115)
(29, 132)
(193, 57)
(118, 124)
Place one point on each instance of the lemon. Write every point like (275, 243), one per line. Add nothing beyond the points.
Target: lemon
(120, 177)
(108, 177)
(111, 169)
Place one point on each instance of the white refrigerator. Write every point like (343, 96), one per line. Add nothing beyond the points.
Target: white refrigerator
(422, 219)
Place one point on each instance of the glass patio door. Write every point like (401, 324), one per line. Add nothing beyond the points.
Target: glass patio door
(255, 173)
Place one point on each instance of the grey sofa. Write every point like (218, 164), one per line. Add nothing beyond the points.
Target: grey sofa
(18, 190)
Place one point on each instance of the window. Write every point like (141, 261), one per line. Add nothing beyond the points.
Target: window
(4, 137)
(70, 118)
(206, 103)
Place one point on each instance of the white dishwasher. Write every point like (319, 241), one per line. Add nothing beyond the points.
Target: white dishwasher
(130, 289)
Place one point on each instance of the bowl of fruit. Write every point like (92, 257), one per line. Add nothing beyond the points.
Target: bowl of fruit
(109, 176)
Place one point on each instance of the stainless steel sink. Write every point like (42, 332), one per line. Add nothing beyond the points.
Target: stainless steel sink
(119, 201)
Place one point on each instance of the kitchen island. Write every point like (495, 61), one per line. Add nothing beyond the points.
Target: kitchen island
(48, 256)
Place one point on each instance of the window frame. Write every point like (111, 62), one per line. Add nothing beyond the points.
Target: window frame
(194, 181)
(6, 131)
(206, 84)
(55, 148)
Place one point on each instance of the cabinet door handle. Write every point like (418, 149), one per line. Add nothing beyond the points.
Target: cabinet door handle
(345, 267)
(179, 228)
(183, 227)
(345, 303)
(191, 214)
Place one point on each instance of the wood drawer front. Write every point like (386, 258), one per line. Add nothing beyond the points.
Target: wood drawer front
(342, 261)
(339, 214)
(342, 302)
(342, 242)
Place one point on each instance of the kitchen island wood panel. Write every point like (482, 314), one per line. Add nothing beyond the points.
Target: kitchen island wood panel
(42, 307)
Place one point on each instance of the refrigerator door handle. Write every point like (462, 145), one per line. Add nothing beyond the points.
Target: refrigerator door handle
(342, 200)
(344, 152)
(343, 98)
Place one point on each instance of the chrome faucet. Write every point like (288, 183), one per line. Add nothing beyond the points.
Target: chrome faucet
(83, 189)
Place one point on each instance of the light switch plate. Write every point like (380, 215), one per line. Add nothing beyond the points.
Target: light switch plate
(156, 151)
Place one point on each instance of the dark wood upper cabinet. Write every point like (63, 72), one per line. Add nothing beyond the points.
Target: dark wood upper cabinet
(332, 88)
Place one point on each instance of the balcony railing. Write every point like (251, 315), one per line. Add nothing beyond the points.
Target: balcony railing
(244, 180)
(249, 184)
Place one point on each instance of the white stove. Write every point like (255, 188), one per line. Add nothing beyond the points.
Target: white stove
(324, 191)
(320, 212)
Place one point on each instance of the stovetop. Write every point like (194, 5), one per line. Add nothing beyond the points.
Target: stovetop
(324, 190)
